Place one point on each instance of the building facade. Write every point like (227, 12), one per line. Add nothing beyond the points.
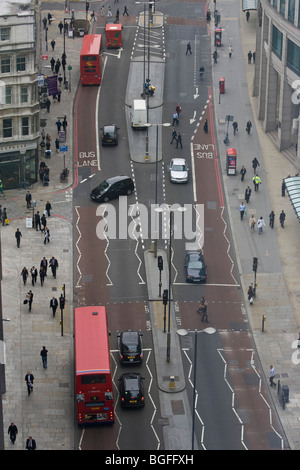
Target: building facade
(277, 71)
(19, 96)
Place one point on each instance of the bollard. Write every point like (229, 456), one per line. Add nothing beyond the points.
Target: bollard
(172, 382)
(264, 318)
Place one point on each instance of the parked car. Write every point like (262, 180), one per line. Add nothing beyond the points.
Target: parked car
(179, 172)
(131, 390)
(112, 188)
(195, 267)
(130, 347)
(110, 135)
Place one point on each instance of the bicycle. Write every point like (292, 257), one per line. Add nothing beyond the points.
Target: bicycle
(25, 185)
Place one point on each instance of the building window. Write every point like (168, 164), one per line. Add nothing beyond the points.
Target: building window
(25, 126)
(7, 128)
(7, 95)
(4, 34)
(275, 4)
(277, 42)
(293, 57)
(291, 11)
(24, 94)
(282, 7)
(21, 64)
(5, 64)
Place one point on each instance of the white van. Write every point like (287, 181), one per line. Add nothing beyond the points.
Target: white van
(138, 114)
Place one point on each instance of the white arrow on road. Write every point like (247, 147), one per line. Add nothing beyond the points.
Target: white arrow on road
(193, 119)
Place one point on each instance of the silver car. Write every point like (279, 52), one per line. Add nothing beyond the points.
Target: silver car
(179, 173)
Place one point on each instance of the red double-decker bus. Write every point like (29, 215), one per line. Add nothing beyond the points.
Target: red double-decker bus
(91, 60)
(93, 382)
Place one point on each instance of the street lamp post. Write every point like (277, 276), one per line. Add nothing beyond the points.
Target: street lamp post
(183, 332)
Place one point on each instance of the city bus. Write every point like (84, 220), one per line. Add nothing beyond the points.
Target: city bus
(93, 381)
(91, 60)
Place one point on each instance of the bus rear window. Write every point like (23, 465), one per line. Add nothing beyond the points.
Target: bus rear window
(93, 379)
(89, 58)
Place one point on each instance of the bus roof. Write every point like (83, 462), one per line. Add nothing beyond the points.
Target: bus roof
(91, 44)
(91, 341)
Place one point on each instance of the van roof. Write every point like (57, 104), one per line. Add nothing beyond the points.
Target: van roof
(114, 179)
(139, 103)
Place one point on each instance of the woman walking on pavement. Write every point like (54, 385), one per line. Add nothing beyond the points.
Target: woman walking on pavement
(252, 222)
(24, 274)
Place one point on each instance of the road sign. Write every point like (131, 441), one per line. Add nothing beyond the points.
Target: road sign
(63, 148)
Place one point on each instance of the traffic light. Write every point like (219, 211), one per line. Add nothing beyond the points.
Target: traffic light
(160, 263)
(87, 6)
(61, 302)
(254, 266)
(165, 296)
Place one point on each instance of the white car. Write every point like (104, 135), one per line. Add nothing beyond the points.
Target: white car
(179, 173)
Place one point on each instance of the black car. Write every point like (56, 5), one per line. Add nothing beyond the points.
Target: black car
(131, 390)
(195, 267)
(130, 347)
(112, 188)
(110, 135)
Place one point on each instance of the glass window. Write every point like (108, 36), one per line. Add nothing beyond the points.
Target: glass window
(4, 34)
(291, 11)
(8, 95)
(93, 379)
(282, 7)
(21, 64)
(7, 127)
(275, 4)
(5, 64)
(277, 42)
(25, 126)
(293, 57)
(24, 94)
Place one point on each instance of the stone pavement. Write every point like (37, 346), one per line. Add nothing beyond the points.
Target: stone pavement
(47, 414)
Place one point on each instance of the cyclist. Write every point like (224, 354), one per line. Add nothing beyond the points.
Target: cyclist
(201, 71)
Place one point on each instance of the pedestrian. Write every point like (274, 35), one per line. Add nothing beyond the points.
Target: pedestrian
(44, 353)
(102, 11)
(272, 376)
(178, 109)
(255, 164)
(63, 63)
(205, 127)
(93, 17)
(282, 218)
(53, 305)
(243, 172)
(188, 48)
(52, 63)
(247, 15)
(125, 12)
(215, 56)
(42, 276)
(175, 119)
(44, 265)
(34, 274)
(248, 127)
(18, 236)
(249, 57)
(250, 294)
(253, 57)
(256, 181)
(58, 125)
(260, 225)
(28, 199)
(29, 382)
(52, 44)
(283, 186)
(203, 309)
(30, 300)
(65, 124)
(57, 143)
(60, 27)
(58, 95)
(252, 222)
(53, 264)
(49, 18)
(235, 127)
(30, 444)
(4, 217)
(24, 274)
(12, 431)
(43, 222)
(46, 236)
(242, 210)
(48, 208)
(1, 187)
(179, 140)
(56, 67)
(59, 79)
(174, 135)
(45, 22)
(48, 104)
(271, 219)
(230, 51)
(248, 192)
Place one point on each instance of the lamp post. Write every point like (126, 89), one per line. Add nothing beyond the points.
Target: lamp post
(183, 332)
